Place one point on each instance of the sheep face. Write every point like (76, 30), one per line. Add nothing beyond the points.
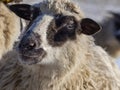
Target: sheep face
(45, 36)
(48, 35)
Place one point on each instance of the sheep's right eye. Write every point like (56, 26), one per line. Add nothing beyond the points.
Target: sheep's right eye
(61, 29)
(66, 26)
(70, 24)
(66, 22)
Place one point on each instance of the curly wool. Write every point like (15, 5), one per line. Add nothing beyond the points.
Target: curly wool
(9, 29)
(86, 67)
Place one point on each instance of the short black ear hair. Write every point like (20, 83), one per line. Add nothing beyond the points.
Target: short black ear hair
(89, 26)
(25, 11)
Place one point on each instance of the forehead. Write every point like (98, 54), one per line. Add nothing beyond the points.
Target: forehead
(65, 7)
(41, 22)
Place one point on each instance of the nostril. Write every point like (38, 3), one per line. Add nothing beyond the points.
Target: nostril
(30, 46)
(29, 42)
(27, 45)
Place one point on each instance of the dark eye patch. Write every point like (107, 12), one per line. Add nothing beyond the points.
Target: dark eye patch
(61, 29)
(66, 25)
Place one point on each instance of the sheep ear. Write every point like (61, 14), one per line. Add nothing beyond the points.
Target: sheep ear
(25, 11)
(89, 26)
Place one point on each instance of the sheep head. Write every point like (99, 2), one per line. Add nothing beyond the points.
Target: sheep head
(50, 33)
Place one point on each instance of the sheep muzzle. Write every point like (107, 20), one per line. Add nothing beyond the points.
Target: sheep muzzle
(29, 49)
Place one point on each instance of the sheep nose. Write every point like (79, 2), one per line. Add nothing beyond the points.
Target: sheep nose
(28, 43)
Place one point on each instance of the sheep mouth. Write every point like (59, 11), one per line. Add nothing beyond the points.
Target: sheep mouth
(32, 57)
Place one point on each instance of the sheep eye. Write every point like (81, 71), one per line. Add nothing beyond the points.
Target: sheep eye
(61, 29)
(66, 22)
(70, 25)
(66, 28)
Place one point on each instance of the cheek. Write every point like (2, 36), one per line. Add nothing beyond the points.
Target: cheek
(44, 43)
(52, 56)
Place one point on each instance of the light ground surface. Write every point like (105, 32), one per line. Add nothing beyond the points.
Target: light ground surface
(95, 9)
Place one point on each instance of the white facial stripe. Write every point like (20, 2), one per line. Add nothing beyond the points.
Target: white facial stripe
(40, 23)
(43, 26)
(35, 23)
(40, 27)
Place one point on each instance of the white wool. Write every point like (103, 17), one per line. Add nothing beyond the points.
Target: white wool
(9, 29)
(76, 65)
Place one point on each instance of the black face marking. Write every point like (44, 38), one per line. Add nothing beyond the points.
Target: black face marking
(29, 49)
(29, 42)
(33, 57)
(61, 29)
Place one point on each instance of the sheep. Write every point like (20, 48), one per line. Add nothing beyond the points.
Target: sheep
(108, 38)
(9, 29)
(57, 52)
(11, 25)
